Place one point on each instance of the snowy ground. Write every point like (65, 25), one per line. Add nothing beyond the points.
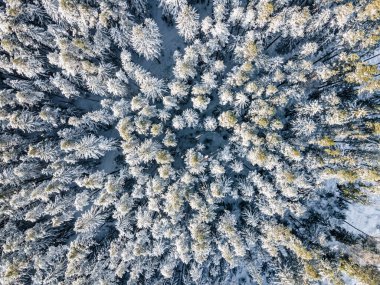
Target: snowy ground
(365, 217)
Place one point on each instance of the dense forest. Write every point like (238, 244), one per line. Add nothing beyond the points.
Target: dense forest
(188, 141)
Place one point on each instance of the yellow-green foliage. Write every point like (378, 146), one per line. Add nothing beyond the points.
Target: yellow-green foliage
(367, 274)
(363, 73)
(79, 43)
(371, 175)
(352, 192)
(227, 119)
(333, 152)
(311, 272)
(372, 39)
(8, 45)
(326, 142)
(347, 175)
(375, 127)
(66, 4)
(250, 51)
(284, 237)
(163, 157)
(371, 11)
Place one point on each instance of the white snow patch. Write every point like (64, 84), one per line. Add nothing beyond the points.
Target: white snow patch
(365, 217)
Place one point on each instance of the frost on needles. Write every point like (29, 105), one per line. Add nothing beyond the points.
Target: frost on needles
(187, 141)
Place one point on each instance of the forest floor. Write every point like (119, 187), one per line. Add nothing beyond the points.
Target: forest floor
(365, 217)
